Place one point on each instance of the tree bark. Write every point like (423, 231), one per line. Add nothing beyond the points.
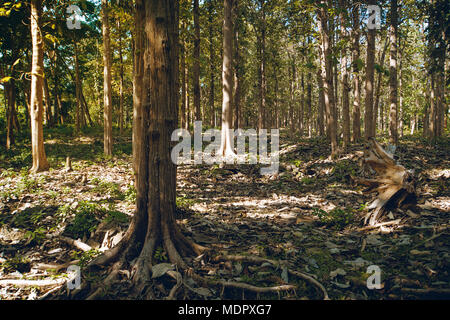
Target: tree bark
(393, 85)
(40, 162)
(196, 69)
(107, 91)
(345, 76)
(369, 86)
(10, 94)
(226, 145)
(356, 80)
(212, 68)
(327, 76)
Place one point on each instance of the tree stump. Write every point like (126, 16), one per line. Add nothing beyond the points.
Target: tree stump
(394, 184)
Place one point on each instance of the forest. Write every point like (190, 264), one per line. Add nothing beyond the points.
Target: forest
(224, 150)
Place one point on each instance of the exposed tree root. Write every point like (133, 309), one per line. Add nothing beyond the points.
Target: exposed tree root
(259, 260)
(394, 184)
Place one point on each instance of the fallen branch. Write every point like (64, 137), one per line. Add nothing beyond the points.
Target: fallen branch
(381, 224)
(76, 243)
(33, 283)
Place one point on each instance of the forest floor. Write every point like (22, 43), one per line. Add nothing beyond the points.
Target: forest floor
(307, 218)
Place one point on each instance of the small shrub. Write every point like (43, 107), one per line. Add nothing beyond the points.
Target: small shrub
(85, 221)
(337, 218)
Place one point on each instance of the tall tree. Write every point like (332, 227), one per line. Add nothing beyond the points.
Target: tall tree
(107, 91)
(327, 75)
(345, 76)
(40, 162)
(196, 68)
(393, 85)
(154, 224)
(226, 144)
(370, 77)
(356, 80)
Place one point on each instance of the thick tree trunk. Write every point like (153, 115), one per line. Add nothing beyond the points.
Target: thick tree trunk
(393, 85)
(107, 91)
(237, 70)
(356, 80)
(121, 74)
(196, 69)
(183, 85)
(37, 80)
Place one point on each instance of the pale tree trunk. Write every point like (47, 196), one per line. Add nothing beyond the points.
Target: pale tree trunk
(183, 84)
(345, 76)
(292, 99)
(196, 69)
(48, 105)
(107, 91)
(40, 162)
(77, 90)
(393, 85)
(369, 86)
(237, 69)
(10, 94)
(262, 70)
(212, 68)
(320, 104)
(327, 77)
(120, 80)
(379, 85)
(356, 80)
(226, 145)
(309, 104)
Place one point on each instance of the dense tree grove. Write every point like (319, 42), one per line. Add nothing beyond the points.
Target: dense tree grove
(278, 46)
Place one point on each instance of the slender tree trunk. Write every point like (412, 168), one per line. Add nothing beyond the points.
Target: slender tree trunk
(262, 71)
(212, 68)
(237, 69)
(183, 84)
(196, 69)
(120, 81)
(48, 105)
(393, 85)
(356, 80)
(226, 147)
(40, 162)
(379, 84)
(345, 76)
(369, 86)
(107, 91)
(77, 90)
(327, 77)
(10, 94)
(321, 104)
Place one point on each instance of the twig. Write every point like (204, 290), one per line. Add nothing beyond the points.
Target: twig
(387, 223)
(33, 283)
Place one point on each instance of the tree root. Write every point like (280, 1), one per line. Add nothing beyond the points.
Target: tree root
(259, 260)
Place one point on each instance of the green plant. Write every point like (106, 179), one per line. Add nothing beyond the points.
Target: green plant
(130, 194)
(85, 221)
(116, 217)
(18, 263)
(160, 255)
(84, 257)
(337, 218)
(36, 236)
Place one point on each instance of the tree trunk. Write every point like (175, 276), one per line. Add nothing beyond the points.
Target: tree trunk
(321, 104)
(237, 69)
(10, 94)
(262, 70)
(212, 68)
(196, 69)
(393, 85)
(107, 91)
(40, 162)
(370, 74)
(327, 77)
(154, 224)
(226, 144)
(48, 105)
(378, 85)
(77, 90)
(121, 73)
(183, 84)
(345, 76)
(356, 80)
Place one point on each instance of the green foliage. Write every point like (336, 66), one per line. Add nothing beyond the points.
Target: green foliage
(17, 263)
(116, 217)
(337, 218)
(344, 169)
(160, 255)
(84, 257)
(184, 203)
(36, 237)
(86, 220)
(130, 194)
(107, 187)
